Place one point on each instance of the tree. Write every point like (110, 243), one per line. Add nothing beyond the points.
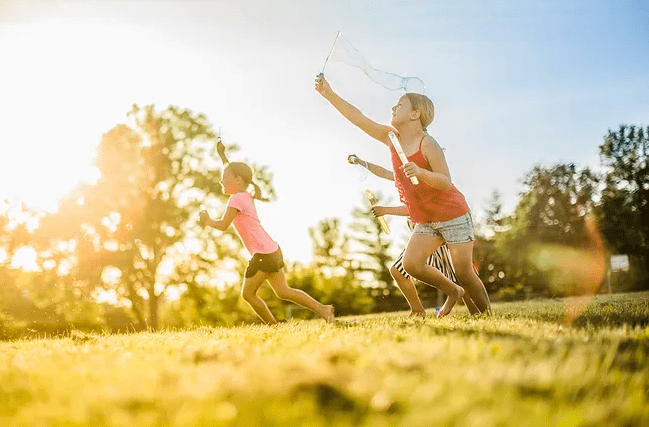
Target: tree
(625, 198)
(344, 292)
(374, 247)
(549, 227)
(493, 212)
(556, 202)
(12, 236)
(331, 249)
(37, 296)
(490, 262)
(135, 230)
(333, 276)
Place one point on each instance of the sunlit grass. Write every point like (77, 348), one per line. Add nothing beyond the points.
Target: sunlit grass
(520, 367)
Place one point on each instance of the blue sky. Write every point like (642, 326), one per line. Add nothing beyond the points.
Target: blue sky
(514, 84)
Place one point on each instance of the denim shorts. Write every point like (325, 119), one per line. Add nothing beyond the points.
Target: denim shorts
(453, 231)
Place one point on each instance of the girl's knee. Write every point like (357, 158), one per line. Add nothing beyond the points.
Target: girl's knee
(465, 275)
(247, 293)
(394, 272)
(284, 293)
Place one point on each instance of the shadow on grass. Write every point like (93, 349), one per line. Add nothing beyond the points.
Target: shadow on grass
(332, 400)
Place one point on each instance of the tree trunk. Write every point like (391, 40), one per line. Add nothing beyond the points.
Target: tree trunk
(135, 306)
(153, 310)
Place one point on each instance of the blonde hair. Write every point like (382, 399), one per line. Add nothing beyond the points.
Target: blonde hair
(425, 107)
(243, 170)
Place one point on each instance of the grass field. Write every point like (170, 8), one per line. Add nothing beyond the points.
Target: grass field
(517, 368)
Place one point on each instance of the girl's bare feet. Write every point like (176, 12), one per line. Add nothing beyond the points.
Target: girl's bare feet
(450, 302)
(328, 313)
(417, 313)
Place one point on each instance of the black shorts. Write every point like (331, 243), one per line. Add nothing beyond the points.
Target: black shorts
(268, 263)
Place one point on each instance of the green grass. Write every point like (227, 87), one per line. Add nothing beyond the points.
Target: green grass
(518, 368)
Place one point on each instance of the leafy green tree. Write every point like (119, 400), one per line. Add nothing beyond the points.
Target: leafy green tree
(494, 209)
(331, 249)
(344, 291)
(491, 262)
(40, 298)
(8, 290)
(373, 246)
(625, 198)
(557, 199)
(549, 218)
(332, 278)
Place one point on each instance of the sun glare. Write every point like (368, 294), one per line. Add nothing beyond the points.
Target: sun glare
(56, 103)
(25, 259)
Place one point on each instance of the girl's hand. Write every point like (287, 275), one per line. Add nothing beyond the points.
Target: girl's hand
(411, 169)
(379, 210)
(322, 85)
(355, 160)
(203, 218)
(220, 149)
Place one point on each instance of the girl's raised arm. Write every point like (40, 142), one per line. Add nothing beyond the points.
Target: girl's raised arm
(351, 113)
(377, 170)
(220, 149)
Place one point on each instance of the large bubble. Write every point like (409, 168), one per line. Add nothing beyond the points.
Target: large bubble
(343, 51)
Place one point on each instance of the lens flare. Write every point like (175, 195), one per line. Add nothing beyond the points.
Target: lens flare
(578, 272)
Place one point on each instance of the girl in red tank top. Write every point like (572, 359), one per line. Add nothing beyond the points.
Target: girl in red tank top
(434, 204)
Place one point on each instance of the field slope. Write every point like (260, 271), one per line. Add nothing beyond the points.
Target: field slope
(521, 367)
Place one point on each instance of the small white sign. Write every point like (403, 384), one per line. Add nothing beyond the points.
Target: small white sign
(619, 262)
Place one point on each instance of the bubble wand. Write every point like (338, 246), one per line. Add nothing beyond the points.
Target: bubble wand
(355, 160)
(372, 200)
(330, 52)
(399, 149)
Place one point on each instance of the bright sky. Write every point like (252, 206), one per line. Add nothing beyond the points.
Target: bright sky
(514, 84)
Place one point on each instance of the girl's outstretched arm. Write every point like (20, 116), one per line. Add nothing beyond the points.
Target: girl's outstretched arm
(390, 210)
(351, 113)
(220, 224)
(377, 170)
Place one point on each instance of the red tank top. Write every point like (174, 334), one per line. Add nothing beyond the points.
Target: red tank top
(425, 203)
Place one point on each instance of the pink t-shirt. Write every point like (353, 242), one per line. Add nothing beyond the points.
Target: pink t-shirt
(247, 224)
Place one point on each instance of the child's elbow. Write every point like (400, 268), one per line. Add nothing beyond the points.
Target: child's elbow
(221, 226)
(444, 183)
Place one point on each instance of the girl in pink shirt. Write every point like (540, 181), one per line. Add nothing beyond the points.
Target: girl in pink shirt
(267, 262)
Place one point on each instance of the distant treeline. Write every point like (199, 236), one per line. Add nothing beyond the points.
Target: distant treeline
(127, 253)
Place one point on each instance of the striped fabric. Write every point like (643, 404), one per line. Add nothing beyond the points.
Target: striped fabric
(440, 259)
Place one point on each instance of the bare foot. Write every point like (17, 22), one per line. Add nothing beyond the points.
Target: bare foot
(328, 313)
(450, 302)
(418, 313)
